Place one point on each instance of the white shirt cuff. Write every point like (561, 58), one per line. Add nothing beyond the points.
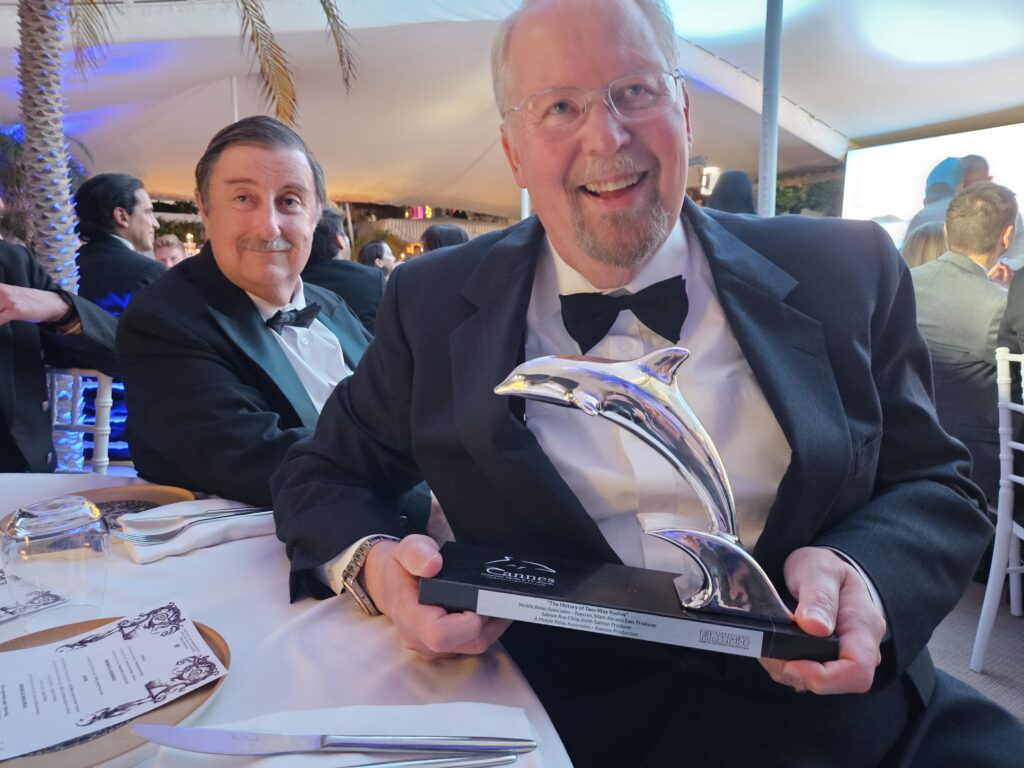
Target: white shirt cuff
(872, 590)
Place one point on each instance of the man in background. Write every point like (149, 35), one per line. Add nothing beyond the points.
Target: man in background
(330, 267)
(40, 324)
(944, 180)
(228, 358)
(959, 311)
(117, 225)
(169, 250)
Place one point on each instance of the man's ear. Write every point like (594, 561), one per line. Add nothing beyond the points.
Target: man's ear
(1007, 237)
(201, 206)
(120, 217)
(686, 116)
(512, 155)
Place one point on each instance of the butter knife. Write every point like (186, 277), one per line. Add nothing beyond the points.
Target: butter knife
(226, 741)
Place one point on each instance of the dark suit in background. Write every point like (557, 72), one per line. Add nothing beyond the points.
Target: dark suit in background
(213, 401)
(110, 272)
(24, 347)
(959, 311)
(361, 287)
(823, 311)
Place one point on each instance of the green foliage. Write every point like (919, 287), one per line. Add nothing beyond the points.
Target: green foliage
(181, 228)
(174, 206)
(825, 197)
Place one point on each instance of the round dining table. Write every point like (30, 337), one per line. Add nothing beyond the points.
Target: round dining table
(287, 656)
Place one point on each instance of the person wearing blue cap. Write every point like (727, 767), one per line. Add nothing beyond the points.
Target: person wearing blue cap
(942, 183)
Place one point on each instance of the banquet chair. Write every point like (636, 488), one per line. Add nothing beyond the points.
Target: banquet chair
(73, 419)
(1006, 547)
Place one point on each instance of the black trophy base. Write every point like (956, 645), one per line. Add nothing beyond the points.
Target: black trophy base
(607, 599)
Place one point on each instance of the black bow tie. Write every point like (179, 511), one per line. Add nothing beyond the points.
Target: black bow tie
(661, 307)
(301, 318)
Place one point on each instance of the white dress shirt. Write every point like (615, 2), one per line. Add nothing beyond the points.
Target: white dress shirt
(314, 353)
(622, 483)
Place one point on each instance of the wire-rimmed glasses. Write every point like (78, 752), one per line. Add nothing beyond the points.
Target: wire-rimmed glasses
(635, 97)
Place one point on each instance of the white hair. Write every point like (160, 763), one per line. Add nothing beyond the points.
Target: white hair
(656, 12)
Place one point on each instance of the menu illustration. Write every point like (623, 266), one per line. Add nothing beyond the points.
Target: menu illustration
(65, 690)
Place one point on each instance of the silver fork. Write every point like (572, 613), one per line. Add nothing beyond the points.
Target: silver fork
(145, 539)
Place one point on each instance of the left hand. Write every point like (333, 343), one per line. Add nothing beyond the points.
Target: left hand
(35, 306)
(832, 596)
(1000, 273)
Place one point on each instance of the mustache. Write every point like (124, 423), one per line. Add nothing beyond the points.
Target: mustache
(603, 167)
(277, 244)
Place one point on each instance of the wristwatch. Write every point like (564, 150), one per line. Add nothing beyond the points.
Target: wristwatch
(349, 577)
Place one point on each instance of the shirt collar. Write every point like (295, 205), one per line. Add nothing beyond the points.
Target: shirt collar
(124, 240)
(554, 277)
(268, 310)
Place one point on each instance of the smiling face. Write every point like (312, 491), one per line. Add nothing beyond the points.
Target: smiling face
(259, 213)
(609, 192)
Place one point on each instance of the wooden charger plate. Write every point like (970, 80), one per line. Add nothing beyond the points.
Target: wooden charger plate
(119, 745)
(116, 500)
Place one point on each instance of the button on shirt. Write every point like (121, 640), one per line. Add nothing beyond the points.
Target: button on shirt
(314, 353)
(622, 483)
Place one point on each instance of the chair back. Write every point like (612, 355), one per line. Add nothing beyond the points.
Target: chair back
(67, 413)
(1006, 560)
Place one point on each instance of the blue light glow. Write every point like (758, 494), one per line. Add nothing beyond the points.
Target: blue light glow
(925, 32)
(702, 20)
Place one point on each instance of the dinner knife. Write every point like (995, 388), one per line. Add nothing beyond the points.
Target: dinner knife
(226, 741)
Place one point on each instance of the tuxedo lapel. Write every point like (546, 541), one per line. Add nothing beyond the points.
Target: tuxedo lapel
(237, 316)
(787, 352)
(484, 349)
(340, 321)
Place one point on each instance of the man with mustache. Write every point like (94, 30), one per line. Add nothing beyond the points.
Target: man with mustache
(806, 368)
(229, 358)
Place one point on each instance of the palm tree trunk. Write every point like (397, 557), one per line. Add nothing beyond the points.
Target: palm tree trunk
(51, 235)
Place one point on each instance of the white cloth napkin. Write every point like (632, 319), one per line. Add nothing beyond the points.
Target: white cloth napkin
(204, 534)
(455, 719)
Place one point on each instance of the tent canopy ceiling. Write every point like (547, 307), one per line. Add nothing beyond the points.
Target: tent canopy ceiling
(419, 125)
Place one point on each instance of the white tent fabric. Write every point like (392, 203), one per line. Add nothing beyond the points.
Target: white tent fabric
(420, 127)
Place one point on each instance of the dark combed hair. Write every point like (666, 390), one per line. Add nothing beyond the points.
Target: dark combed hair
(96, 200)
(372, 251)
(257, 131)
(978, 216)
(325, 236)
(733, 192)
(441, 235)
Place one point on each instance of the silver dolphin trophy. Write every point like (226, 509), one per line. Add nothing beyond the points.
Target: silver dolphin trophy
(641, 395)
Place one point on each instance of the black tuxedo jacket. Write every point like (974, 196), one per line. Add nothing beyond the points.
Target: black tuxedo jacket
(24, 347)
(824, 313)
(361, 287)
(110, 272)
(213, 403)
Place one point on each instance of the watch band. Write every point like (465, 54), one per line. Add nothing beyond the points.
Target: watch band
(349, 577)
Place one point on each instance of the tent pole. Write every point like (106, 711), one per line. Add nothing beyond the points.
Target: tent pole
(524, 204)
(351, 232)
(768, 167)
(234, 99)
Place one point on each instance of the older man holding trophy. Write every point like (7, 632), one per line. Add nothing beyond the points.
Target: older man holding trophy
(806, 380)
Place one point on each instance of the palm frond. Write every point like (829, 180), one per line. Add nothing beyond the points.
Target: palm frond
(342, 42)
(90, 33)
(276, 86)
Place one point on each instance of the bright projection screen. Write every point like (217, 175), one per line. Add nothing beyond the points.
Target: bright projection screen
(886, 183)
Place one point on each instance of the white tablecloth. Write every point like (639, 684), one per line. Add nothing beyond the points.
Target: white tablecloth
(306, 655)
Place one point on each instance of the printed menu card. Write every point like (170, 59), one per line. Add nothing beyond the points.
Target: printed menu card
(68, 689)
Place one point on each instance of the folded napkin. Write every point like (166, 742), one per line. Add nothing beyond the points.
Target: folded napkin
(456, 719)
(205, 534)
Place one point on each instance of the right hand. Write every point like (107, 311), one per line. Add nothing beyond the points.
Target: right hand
(391, 576)
(30, 304)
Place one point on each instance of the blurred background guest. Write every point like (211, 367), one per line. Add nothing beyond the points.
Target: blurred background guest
(441, 235)
(330, 267)
(942, 183)
(117, 225)
(959, 311)
(40, 324)
(924, 243)
(733, 193)
(169, 250)
(377, 253)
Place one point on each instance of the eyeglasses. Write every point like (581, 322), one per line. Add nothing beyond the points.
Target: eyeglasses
(632, 98)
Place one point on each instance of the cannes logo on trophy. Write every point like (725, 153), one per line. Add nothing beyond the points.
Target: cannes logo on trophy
(521, 571)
